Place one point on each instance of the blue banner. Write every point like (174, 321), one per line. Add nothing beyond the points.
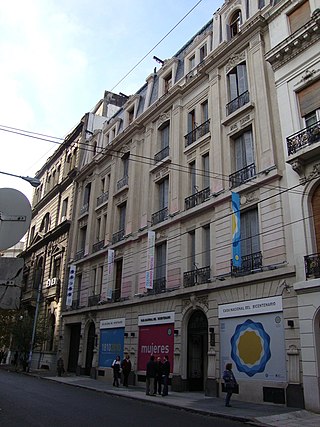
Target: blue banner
(236, 241)
(111, 345)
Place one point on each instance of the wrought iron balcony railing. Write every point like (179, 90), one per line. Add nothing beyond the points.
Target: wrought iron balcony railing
(116, 237)
(84, 209)
(162, 154)
(249, 264)
(197, 198)
(79, 254)
(159, 286)
(242, 175)
(237, 103)
(122, 182)
(97, 246)
(312, 265)
(116, 295)
(196, 277)
(197, 133)
(93, 300)
(303, 138)
(159, 216)
(102, 198)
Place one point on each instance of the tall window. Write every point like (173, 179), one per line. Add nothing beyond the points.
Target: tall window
(249, 230)
(192, 172)
(192, 249)
(203, 52)
(163, 193)
(160, 261)
(235, 23)
(164, 136)
(204, 111)
(309, 103)
(102, 185)
(86, 194)
(45, 224)
(32, 233)
(82, 238)
(299, 17)
(192, 62)
(206, 245)
(243, 146)
(206, 171)
(56, 271)
(167, 83)
(98, 229)
(191, 121)
(238, 83)
(122, 217)
(64, 209)
(125, 164)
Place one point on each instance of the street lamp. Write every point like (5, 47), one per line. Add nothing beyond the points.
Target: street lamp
(35, 182)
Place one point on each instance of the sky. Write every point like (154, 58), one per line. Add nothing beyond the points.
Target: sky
(57, 57)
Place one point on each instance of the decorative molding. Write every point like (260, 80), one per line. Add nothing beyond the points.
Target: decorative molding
(235, 60)
(163, 118)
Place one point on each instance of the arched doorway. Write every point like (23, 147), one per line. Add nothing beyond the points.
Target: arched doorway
(90, 348)
(197, 351)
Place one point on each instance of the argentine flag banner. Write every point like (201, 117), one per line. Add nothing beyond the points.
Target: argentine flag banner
(236, 243)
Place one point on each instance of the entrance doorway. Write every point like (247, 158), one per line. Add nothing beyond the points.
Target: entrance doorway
(197, 351)
(90, 348)
(74, 347)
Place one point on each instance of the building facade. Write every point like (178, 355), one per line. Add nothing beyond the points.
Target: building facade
(294, 56)
(163, 190)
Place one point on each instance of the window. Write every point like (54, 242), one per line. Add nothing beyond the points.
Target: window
(206, 246)
(82, 238)
(192, 172)
(45, 224)
(261, 4)
(56, 271)
(249, 232)
(203, 52)
(204, 112)
(118, 280)
(167, 83)
(299, 17)
(244, 150)
(192, 62)
(32, 233)
(164, 136)
(163, 193)
(102, 185)
(86, 195)
(191, 121)
(37, 278)
(192, 249)
(309, 102)
(64, 209)
(206, 171)
(122, 217)
(160, 261)
(125, 164)
(98, 228)
(99, 279)
(238, 83)
(235, 23)
(130, 116)
(78, 286)
(94, 280)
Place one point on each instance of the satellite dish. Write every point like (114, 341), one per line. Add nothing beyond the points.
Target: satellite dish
(15, 217)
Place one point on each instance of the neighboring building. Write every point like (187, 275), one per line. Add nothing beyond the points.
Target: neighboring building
(46, 250)
(151, 258)
(14, 251)
(294, 56)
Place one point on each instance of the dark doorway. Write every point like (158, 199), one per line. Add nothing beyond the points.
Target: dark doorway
(197, 350)
(90, 348)
(74, 347)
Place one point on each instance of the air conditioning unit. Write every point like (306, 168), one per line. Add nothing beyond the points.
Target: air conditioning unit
(48, 283)
(54, 281)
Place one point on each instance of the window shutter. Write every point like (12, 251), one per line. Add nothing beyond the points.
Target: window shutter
(309, 98)
(248, 146)
(299, 17)
(239, 157)
(242, 78)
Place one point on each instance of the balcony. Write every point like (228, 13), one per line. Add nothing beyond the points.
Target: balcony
(102, 198)
(159, 216)
(197, 198)
(84, 209)
(116, 295)
(79, 255)
(196, 277)
(197, 133)
(303, 138)
(93, 300)
(312, 266)
(237, 103)
(161, 155)
(243, 175)
(117, 237)
(159, 286)
(122, 182)
(249, 264)
(97, 246)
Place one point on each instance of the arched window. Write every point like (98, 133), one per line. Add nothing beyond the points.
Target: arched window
(235, 22)
(45, 224)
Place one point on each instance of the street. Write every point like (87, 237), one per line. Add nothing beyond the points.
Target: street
(34, 402)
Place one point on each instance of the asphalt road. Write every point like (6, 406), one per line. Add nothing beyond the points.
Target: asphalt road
(27, 401)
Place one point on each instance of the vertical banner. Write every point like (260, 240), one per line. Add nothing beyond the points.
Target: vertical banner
(236, 242)
(71, 280)
(150, 259)
(110, 269)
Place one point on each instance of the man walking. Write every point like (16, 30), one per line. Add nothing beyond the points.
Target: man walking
(150, 376)
(126, 369)
(165, 375)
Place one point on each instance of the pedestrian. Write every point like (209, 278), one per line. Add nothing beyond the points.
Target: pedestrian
(126, 369)
(158, 378)
(60, 367)
(150, 376)
(230, 382)
(165, 375)
(116, 366)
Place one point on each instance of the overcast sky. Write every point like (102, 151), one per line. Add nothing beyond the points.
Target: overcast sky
(57, 57)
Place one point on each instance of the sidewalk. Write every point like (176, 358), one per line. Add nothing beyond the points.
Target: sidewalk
(254, 414)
